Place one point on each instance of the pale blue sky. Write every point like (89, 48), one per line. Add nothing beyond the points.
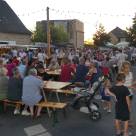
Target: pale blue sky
(110, 13)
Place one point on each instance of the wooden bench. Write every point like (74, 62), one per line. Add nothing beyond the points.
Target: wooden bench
(7, 102)
(45, 104)
(53, 106)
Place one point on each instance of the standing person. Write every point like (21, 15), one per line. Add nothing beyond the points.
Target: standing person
(41, 56)
(32, 86)
(22, 54)
(121, 57)
(22, 68)
(14, 52)
(125, 68)
(122, 105)
(107, 104)
(10, 66)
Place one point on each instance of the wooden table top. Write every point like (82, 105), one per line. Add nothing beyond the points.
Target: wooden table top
(55, 85)
(53, 72)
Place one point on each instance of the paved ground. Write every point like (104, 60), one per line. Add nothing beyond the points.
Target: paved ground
(75, 124)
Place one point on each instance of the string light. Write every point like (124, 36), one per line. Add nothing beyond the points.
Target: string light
(68, 12)
(92, 13)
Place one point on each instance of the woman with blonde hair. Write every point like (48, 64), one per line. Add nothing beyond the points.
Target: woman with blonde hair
(106, 97)
(126, 69)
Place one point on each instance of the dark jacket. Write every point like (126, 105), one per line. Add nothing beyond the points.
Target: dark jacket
(15, 89)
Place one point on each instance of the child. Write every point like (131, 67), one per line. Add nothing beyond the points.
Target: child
(105, 95)
(122, 105)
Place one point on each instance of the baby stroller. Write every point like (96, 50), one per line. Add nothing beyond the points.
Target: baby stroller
(84, 101)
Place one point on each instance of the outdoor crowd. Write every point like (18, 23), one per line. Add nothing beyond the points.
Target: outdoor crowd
(22, 76)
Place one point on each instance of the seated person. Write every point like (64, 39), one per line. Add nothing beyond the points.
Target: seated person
(42, 73)
(15, 88)
(53, 65)
(32, 95)
(66, 70)
(74, 65)
(31, 64)
(3, 83)
(81, 71)
(94, 72)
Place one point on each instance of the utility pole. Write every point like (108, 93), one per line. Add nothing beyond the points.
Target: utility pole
(48, 33)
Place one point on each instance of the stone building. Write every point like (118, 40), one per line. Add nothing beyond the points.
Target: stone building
(118, 35)
(12, 30)
(74, 28)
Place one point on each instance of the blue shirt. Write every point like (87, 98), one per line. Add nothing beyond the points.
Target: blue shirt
(22, 70)
(81, 72)
(31, 90)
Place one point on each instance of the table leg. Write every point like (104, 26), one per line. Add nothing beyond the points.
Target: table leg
(45, 99)
(55, 116)
(57, 95)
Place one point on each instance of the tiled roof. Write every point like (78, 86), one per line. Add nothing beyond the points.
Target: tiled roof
(9, 21)
(119, 33)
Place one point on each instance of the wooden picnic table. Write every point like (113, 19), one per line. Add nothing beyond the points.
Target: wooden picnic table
(53, 86)
(53, 72)
(63, 91)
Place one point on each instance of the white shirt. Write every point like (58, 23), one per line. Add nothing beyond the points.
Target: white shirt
(41, 57)
(121, 57)
(128, 81)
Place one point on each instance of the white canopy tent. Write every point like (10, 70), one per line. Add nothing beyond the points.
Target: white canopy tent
(122, 44)
(109, 44)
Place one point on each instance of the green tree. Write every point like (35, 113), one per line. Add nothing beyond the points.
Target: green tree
(101, 37)
(58, 34)
(39, 35)
(132, 33)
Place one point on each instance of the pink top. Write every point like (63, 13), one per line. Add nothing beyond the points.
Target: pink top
(10, 68)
